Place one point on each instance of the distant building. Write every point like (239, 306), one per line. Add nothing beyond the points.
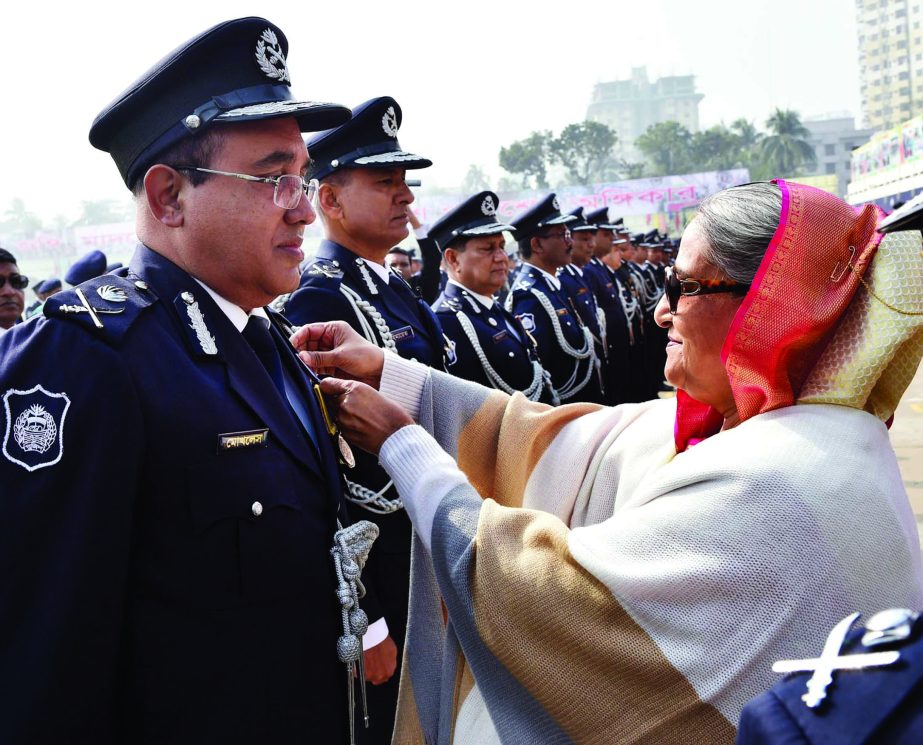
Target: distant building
(890, 60)
(833, 141)
(631, 106)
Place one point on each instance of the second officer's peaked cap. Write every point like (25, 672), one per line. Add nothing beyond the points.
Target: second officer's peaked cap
(600, 219)
(476, 216)
(367, 140)
(579, 223)
(233, 72)
(540, 216)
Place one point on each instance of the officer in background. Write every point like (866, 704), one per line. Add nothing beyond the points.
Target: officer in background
(577, 286)
(171, 493)
(36, 305)
(88, 266)
(12, 291)
(608, 299)
(565, 344)
(627, 287)
(364, 202)
(398, 260)
(488, 344)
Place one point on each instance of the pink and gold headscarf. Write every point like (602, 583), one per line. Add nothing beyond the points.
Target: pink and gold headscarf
(823, 322)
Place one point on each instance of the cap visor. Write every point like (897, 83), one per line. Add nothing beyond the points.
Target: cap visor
(560, 220)
(908, 217)
(311, 115)
(491, 229)
(395, 158)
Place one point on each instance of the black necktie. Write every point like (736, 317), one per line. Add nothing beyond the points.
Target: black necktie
(404, 292)
(256, 332)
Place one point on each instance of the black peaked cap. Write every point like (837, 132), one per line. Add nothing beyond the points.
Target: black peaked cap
(233, 72)
(539, 216)
(367, 140)
(477, 215)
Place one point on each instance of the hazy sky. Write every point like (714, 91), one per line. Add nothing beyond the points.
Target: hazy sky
(469, 76)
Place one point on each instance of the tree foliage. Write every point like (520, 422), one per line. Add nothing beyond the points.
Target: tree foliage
(528, 158)
(667, 147)
(475, 180)
(785, 149)
(584, 150)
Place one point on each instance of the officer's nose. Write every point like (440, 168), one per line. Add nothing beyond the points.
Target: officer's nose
(302, 213)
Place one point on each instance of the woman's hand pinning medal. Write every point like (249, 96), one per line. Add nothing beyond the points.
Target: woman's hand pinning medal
(351, 405)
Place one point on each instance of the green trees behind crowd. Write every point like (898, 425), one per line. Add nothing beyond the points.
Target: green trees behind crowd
(584, 151)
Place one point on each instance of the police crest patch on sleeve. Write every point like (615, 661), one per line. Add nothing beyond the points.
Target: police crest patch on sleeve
(34, 436)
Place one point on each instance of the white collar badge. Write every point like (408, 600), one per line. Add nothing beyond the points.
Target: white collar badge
(389, 122)
(270, 58)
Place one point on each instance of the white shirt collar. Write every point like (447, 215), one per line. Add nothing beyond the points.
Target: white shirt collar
(384, 274)
(236, 315)
(554, 281)
(486, 300)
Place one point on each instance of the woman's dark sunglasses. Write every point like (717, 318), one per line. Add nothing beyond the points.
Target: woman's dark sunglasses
(674, 287)
(17, 281)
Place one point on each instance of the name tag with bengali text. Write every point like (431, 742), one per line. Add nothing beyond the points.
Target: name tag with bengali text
(254, 438)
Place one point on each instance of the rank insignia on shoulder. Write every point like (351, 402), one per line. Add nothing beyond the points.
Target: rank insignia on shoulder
(34, 427)
(527, 320)
(237, 440)
(322, 268)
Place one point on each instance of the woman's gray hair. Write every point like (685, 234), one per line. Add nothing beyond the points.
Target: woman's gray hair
(738, 224)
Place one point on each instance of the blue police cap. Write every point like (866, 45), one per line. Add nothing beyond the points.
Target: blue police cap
(539, 216)
(476, 216)
(86, 267)
(907, 217)
(620, 226)
(579, 223)
(600, 219)
(233, 72)
(367, 140)
(114, 266)
(50, 284)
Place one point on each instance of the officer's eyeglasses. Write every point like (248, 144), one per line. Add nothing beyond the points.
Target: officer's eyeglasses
(557, 234)
(674, 287)
(289, 188)
(17, 281)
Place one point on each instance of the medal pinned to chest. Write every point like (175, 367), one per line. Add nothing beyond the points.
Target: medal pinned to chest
(345, 453)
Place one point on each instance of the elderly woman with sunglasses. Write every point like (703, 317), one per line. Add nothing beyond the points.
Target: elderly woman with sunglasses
(592, 574)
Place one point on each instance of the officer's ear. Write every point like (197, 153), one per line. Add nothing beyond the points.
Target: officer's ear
(162, 186)
(450, 257)
(535, 243)
(328, 201)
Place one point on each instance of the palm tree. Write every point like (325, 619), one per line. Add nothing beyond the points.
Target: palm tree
(785, 149)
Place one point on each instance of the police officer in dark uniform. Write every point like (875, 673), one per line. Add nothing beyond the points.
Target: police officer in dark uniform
(628, 287)
(618, 330)
(488, 344)
(565, 344)
(171, 494)
(577, 286)
(364, 202)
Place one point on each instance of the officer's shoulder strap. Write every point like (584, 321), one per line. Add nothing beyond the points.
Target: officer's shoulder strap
(106, 306)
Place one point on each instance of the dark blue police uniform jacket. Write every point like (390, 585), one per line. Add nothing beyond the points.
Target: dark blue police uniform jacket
(869, 705)
(563, 367)
(506, 346)
(599, 278)
(327, 284)
(147, 597)
(577, 287)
